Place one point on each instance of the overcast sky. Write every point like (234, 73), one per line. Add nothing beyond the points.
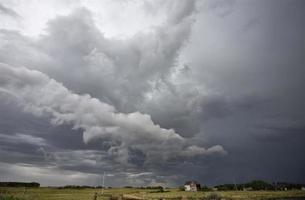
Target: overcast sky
(152, 92)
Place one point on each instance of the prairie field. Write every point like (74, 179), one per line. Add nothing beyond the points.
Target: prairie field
(138, 194)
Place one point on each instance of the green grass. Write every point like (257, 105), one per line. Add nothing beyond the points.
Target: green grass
(87, 194)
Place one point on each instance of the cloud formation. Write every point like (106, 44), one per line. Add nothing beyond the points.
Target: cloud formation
(42, 96)
(156, 94)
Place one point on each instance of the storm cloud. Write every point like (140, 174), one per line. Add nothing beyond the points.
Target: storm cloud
(159, 93)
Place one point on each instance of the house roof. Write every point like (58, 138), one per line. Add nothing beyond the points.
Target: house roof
(191, 182)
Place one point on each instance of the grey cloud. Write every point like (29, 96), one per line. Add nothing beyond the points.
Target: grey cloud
(179, 11)
(194, 150)
(23, 138)
(116, 68)
(129, 66)
(42, 96)
(46, 175)
(220, 7)
(8, 11)
(254, 104)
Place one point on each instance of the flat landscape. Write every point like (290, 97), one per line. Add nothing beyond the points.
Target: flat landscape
(133, 193)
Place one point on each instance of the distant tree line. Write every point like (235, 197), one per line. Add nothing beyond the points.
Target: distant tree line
(19, 184)
(86, 186)
(75, 187)
(81, 187)
(260, 185)
(288, 186)
(147, 187)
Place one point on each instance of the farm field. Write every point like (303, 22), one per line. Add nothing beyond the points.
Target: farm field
(132, 193)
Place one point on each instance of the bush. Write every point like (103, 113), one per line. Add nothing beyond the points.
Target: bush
(181, 188)
(214, 196)
(205, 188)
(19, 184)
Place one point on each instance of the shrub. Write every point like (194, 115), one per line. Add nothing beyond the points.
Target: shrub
(214, 196)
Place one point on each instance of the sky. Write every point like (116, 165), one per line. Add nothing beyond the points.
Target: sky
(152, 92)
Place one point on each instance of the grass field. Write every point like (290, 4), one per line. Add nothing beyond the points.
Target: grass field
(131, 193)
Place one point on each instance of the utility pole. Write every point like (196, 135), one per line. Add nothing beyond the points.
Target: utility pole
(235, 185)
(103, 184)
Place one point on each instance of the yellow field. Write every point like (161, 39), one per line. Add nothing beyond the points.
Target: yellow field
(127, 193)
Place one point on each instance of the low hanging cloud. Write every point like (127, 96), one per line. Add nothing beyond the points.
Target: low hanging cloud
(42, 96)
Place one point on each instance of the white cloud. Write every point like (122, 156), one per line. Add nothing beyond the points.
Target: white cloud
(23, 138)
(47, 175)
(195, 151)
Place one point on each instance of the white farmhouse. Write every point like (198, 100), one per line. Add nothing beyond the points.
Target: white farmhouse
(191, 186)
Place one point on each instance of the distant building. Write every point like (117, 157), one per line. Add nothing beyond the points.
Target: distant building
(192, 186)
(247, 189)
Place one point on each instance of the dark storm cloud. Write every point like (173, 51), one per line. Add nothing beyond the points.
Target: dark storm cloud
(255, 66)
(227, 73)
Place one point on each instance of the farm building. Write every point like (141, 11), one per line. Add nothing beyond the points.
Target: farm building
(191, 186)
